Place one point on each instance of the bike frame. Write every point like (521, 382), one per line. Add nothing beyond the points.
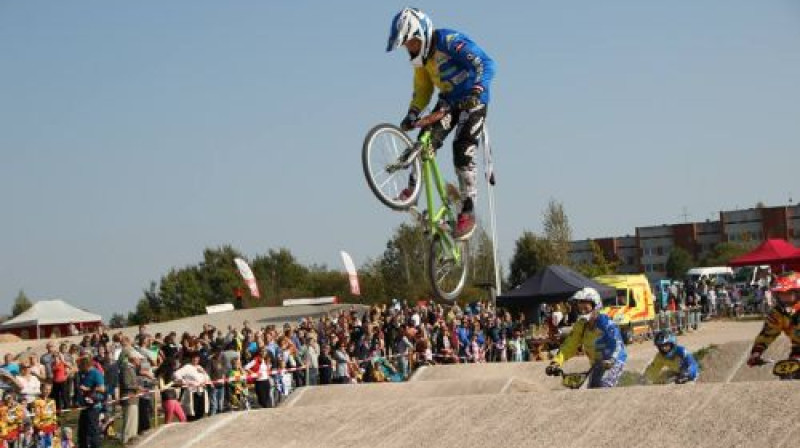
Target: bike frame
(432, 177)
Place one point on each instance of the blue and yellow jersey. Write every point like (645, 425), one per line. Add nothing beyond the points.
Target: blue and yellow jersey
(456, 67)
(681, 362)
(600, 341)
(779, 321)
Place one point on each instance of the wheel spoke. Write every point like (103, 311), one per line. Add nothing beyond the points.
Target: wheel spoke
(385, 174)
(389, 178)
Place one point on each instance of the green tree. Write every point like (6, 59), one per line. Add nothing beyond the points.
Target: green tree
(403, 264)
(324, 282)
(599, 264)
(117, 321)
(21, 304)
(217, 276)
(722, 253)
(481, 274)
(187, 291)
(678, 262)
(482, 257)
(183, 293)
(557, 232)
(280, 276)
(531, 253)
(372, 283)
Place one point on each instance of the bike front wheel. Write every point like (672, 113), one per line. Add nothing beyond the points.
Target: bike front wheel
(386, 175)
(448, 266)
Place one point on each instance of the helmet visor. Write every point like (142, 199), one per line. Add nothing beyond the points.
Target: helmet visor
(395, 33)
(665, 348)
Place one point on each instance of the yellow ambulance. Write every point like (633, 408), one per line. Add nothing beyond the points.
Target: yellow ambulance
(633, 306)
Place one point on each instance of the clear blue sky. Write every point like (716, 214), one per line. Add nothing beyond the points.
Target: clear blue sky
(135, 134)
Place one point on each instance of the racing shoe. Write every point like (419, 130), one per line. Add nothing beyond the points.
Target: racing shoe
(404, 195)
(465, 226)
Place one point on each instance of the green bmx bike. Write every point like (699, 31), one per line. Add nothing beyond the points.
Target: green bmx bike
(389, 158)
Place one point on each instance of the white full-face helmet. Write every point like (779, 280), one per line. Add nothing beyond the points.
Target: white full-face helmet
(588, 295)
(411, 23)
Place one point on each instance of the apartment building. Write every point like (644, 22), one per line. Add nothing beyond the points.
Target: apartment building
(752, 226)
(649, 250)
(624, 250)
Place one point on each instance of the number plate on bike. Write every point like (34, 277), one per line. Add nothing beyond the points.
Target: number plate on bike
(786, 367)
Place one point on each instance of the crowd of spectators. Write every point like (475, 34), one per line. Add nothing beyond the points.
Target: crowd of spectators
(712, 300)
(239, 368)
(190, 376)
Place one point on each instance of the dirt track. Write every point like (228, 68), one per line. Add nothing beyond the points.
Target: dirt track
(516, 405)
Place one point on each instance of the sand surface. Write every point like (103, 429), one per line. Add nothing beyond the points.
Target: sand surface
(514, 405)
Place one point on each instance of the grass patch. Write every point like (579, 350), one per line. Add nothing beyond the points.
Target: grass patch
(703, 352)
(629, 378)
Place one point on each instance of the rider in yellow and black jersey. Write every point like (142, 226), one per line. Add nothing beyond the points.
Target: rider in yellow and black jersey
(784, 317)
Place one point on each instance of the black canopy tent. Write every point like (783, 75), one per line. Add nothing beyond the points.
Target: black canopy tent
(550, 285)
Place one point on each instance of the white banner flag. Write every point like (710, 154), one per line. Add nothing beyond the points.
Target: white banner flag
(247, 275)
(351, 273)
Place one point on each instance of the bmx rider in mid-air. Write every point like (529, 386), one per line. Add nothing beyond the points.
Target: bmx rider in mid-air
(462, 72)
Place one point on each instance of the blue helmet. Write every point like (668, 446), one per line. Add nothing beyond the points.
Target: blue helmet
(664, 338)
(411, 23)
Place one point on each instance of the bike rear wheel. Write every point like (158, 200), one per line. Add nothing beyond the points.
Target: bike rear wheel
(447, 274)
(386, 176)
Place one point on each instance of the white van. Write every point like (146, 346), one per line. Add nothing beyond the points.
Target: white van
(719, 275)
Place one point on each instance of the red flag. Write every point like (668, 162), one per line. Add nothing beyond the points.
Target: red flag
(247, 275)
(351, 273)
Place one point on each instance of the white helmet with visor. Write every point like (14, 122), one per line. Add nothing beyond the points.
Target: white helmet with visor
(408, 24)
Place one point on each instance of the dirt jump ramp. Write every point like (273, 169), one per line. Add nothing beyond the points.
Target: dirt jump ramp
(342, 395)
(702, 415)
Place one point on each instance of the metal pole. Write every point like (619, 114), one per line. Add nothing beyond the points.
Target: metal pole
(487, 155)
(157, 406)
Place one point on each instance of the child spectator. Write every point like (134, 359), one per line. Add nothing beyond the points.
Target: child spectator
(14, 420)
(518, 347)
(45, 419)
(237, 386)
(474, 349)
(66, 438)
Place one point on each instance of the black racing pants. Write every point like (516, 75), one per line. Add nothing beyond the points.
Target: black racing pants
(469, 127)
(89, 428)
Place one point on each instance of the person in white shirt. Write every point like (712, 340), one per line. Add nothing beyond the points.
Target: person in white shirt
(193, 378)
(30, 386)
(712, 302)
(259, 367)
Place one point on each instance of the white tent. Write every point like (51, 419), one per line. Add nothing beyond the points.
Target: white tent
(49, 313)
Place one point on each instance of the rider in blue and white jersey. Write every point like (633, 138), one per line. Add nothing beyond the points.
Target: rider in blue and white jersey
(450, 62)
(675, 359)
